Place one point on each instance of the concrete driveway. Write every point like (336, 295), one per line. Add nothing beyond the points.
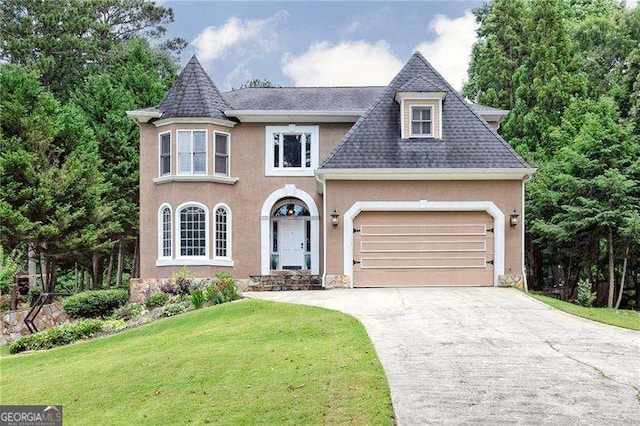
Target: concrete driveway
(491, 356)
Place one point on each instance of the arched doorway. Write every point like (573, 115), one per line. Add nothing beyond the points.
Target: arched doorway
(290, 235)
(295, 244)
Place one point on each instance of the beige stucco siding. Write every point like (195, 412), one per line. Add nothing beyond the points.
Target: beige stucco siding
(245, 197)
(408, 103)
(506, 195)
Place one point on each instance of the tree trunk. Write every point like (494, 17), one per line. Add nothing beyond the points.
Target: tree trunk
(51, 276)
(32, 267)
(612, 281)
(135, 273)
(624, 273)
(75, 277)
(43, 271)
(110, 270)
(98, 270)
(119, 273)
(82, 286)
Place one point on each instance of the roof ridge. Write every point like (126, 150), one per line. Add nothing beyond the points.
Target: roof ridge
(468, 106)
(364, 116)
(305, 87)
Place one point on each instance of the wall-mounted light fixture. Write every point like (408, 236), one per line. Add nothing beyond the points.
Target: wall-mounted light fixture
(334, 218)
(513, 218)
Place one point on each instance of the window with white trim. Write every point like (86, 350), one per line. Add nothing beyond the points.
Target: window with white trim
(165, 232)
(192, 152)
(421, 121)
(223, 232)
(221, 157)
(291, 150)
(193, 231)
(165, 154)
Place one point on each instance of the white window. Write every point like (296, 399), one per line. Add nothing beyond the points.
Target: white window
(291, 150)
(165, 232)
(192, 152)
(193, 231)
(421, 121)
(165, 154)
(223, 231)
(221, 158)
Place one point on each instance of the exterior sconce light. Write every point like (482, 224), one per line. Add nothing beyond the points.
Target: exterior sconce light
(513, 218)
(334, 218)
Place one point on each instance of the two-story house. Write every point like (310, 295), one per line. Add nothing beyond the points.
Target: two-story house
(407, 184)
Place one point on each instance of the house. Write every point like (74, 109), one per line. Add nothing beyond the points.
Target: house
(404, 185)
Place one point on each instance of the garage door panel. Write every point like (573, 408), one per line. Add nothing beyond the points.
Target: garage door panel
(409, 278)
(423, 248)
(423, 230)
(416, 262)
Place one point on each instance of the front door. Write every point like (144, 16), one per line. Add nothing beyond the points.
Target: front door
(291, 244)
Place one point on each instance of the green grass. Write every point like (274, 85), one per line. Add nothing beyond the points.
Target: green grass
(618, 317)
(239, 363)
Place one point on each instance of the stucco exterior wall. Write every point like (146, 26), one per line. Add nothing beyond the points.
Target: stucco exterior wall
(505, 194)
(245, 197)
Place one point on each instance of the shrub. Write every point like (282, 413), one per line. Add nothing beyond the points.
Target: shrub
(95, 303)
(585, 295)
(222, 290)
(179, 283)
(33, 295)
(172, 309)
(156, 300)
(113, 325)
(128, 312)
(197, 298)
(9, 266)
(57, 336)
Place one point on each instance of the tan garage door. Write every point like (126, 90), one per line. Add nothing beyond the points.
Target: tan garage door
(422, 249)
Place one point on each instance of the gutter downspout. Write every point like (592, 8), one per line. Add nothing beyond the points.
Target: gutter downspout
(324, 229)
(525, 179)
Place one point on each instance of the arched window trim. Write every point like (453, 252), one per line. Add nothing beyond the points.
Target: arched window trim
(178, 239)
(229, 255)
(161, 231)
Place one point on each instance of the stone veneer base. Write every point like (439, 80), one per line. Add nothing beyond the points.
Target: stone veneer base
(13, 326)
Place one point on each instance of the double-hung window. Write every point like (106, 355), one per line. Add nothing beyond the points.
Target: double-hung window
(192, 152)
(221, 158)
(421, 121)
(165, 154)
(291, 150)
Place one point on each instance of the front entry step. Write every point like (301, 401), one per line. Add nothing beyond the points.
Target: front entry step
(285, 281)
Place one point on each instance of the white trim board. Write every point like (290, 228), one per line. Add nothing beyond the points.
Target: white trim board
(288, 191)
(423, 205)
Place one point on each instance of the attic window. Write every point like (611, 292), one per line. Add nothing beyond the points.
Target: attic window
(421, 121)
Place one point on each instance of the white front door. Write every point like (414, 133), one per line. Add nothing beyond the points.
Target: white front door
(291, 244)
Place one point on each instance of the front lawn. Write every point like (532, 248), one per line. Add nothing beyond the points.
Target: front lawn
(618, 317)
(247, 362)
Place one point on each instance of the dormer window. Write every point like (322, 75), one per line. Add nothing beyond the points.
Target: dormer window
(420, 114)
(421, 121)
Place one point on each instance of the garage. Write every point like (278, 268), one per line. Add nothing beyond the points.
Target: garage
(423, 248)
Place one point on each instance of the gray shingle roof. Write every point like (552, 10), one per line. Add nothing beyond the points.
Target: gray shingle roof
(421, 83)
(193, 95)
(303, 98)
(467, 140)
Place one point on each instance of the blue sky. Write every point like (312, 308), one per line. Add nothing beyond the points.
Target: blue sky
(323, 43)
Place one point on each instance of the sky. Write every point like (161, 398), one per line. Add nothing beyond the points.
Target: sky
(330, 43)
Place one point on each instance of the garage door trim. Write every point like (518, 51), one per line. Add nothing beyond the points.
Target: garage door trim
(423, 205)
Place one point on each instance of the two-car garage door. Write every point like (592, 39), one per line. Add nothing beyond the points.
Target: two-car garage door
(422, 248)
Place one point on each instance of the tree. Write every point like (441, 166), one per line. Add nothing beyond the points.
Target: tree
(498, 53)
(257, 82)
(50, 187)
(136, 75)
(65, 50)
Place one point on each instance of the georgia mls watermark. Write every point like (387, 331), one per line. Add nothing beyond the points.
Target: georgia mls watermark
(30, 415)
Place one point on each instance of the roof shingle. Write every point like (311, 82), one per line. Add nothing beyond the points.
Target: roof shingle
(467, 140)
(193, 95)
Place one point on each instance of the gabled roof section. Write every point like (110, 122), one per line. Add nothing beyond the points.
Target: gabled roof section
(467, 140)
(193, 95)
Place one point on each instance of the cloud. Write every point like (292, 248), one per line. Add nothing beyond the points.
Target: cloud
(632, 4)
(349, 63)
(244, 40)
(450, 51)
